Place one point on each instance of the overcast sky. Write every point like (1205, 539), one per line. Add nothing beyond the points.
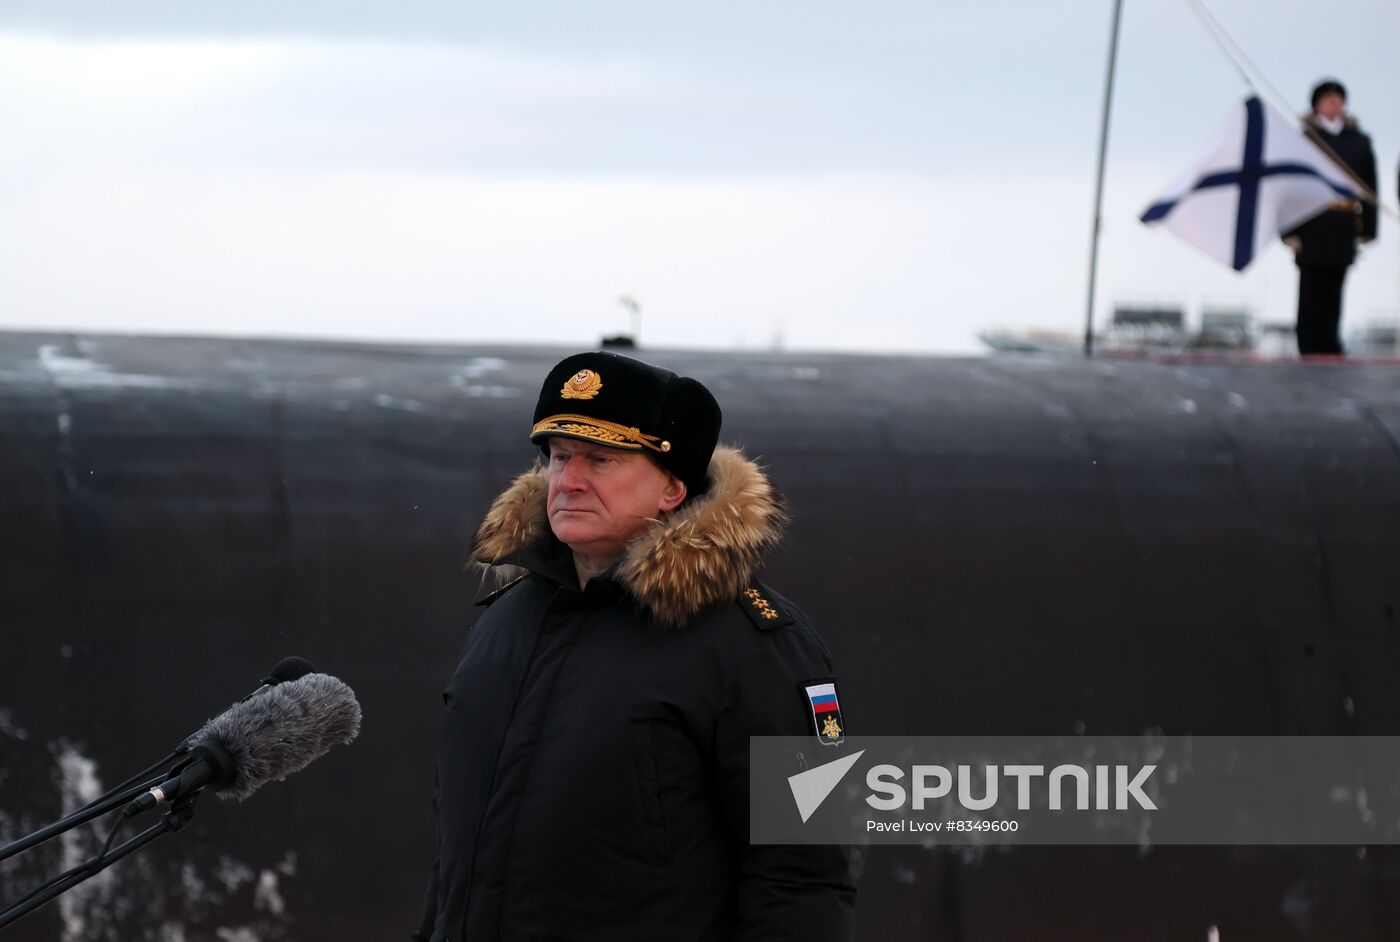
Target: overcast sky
(826, 175)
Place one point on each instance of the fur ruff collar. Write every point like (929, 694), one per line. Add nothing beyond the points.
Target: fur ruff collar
(1348, 122)
(703, 553)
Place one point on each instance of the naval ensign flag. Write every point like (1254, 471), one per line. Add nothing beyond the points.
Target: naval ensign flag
(1262, 178)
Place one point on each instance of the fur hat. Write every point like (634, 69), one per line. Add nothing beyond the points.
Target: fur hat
(624, 403)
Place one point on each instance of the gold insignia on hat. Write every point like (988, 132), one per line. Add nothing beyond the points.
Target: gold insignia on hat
(599, 430)
(582, 385)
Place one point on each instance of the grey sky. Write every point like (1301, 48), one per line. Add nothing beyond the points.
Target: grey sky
(836, 175)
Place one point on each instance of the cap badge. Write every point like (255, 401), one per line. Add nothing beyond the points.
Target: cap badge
(582, 385)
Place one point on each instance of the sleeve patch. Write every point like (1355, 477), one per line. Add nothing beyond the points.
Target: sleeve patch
(825, 706)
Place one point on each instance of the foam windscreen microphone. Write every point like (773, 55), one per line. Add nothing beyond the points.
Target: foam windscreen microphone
(263, 739)
(289, 668)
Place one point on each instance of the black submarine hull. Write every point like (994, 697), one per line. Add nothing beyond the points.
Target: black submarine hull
(989, 546)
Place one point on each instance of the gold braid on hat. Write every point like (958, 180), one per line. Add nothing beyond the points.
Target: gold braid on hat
(600, 431)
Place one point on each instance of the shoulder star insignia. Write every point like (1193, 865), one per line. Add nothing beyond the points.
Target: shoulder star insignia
(761, 610)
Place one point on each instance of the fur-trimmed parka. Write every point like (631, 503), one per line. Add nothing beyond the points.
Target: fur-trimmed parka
(593, 767)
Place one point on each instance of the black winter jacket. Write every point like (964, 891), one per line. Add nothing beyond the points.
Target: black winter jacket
(1329, 238)
(593, 766)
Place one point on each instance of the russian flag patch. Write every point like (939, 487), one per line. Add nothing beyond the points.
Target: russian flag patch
(826, 710)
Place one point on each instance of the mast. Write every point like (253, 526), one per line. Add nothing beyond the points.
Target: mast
(1098, 181)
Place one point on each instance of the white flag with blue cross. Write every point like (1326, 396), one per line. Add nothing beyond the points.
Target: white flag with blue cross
(1262, 177)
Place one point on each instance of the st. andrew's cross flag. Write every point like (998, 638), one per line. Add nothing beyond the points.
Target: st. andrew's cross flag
(1262, 178)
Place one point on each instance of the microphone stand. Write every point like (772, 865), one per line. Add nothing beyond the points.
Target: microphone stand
(112, 798)
(96, 809)
(180, 750)
(180, 814)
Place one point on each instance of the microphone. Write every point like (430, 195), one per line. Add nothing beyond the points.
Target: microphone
(262, 738)
(287, 669)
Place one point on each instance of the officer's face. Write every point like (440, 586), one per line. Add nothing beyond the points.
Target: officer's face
(601, 499)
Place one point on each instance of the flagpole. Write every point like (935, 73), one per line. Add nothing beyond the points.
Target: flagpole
(1098, 182)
